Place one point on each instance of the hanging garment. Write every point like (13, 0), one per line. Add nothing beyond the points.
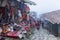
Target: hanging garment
(4, 3)
(12, 10)
(1, 2)
(19, 16)
(12, 13)
(27, 9)
(7, 11)
(24, 16)
(32, 22)
(12, 3)
(8, 5)
(28, 17)
(2, 10)
(4, 14)
(22, 7)
(19, 13)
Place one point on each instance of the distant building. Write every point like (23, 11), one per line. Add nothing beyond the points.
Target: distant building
(51, 21)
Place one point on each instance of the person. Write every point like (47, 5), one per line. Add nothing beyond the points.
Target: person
(38, 24)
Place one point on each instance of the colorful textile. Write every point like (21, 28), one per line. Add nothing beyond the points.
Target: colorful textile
(27, 29)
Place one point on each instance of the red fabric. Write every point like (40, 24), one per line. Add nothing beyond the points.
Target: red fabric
(27, 29)
(13, 33)
(12, 11)
(24, 16)
(2, 10)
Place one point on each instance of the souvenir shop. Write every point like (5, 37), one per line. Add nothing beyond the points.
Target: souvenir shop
(15, 21)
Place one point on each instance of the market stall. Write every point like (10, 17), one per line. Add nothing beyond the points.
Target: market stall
(15, 18)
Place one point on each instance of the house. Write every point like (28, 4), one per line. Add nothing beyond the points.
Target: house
(51, 21)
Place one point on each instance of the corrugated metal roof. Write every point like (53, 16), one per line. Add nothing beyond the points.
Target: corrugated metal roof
(53, 17)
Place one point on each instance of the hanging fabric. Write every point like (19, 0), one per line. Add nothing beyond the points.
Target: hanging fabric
(4, 3)
(12, 10)
(8, 5)
(19, 13)
(12, 3)
(24, 16)
(27, 9)
(19, 16)
(2, 10)
(22, 7)
(12, 13)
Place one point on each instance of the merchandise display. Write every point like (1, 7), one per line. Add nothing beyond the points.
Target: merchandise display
(15, 21)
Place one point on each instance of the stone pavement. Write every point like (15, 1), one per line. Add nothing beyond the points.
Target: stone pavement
(43, 34)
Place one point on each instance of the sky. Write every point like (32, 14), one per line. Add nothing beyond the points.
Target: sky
(44, 6)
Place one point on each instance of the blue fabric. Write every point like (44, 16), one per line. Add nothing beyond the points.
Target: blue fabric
(22, 6)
